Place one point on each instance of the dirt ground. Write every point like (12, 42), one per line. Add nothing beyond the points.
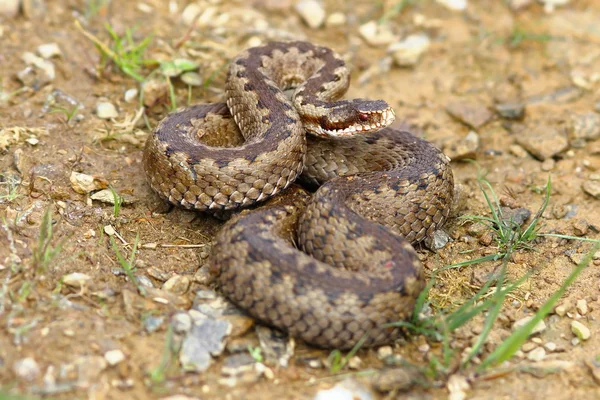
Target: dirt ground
(95, 336)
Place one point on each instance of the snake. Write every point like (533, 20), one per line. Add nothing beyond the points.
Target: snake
(335, 267)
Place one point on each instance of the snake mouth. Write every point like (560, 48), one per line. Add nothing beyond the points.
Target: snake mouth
(367, 121)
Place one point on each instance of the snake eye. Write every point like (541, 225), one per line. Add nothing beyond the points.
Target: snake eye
(363, 116)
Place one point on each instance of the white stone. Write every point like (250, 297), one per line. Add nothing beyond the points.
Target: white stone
(336, 19)
(113, 357)
(580, 330)
(131, 95)
(106, 110)
(537, 354)
(582, 307)
(377, 34)
(311, 12)
(76, 279)
(49, 50)
(539, 327)
(407, 52)
(454, 5)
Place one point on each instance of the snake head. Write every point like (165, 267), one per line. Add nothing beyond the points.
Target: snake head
(353, 117)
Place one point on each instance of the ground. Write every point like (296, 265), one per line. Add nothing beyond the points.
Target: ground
(512, 85)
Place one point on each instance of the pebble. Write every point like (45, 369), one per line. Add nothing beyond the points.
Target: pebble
(178, 284)
(474, 115)
(550, 5)
(311, 12)
(561, 310)
(346, 390)
(457, 386)
(407, 52)
(582, 307)
(527, 347)
(192, 78)
(537, 354)
(377, 34)
(277, 347)
(584, 127)
(539, 327)
(204, 340)
(592, 188)
(580, 227)
(384, 352)
(26, 369)
(462, 148)
(113, 357)
(181, 322)
(517, 216)
(454, 5)
(550, 346)
(131, 95)
(241, 368)
(543, 142)
(336, 19)
(154, 92)
(106, 110)
(9, 8)
(152, 323)
(240, 324)
(355, 362)
(394, 380)
(580, 330)
(107, 196)
(518, 5)
(84, 184)
(548, 165)
(144, 281)
(514, 111)
(30, 77)
(49, 50)
(76, 280)
(438, 241)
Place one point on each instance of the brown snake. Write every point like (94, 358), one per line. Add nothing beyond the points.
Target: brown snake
(355, 276)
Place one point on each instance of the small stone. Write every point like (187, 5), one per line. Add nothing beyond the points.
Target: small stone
(457, 386)
(178, 284)
(537, 354)
(109, 230)
(592, 188)
(155, 92)
(84, 184)
(394, 380)
(107, 196)
(407, 52)
(539, 327)
(190, 13)
(205, 339)
(580, 227)
(550, 5)
(517, 216)
(518, 151)
(49, 50)
(26, 369)
(355, 362)
(144, 281)
(515, 111)
(277, 347)
(240, 324)
(48, 72)
(584, 127)
(181, 322)
(463, 148)
(384, 352)
(474, 115)
(582, 306)
(311, 12)
(561, 310)
(9, 8)
(454, 5)
(548, 165)
(89, 369)
(32, 141)
(438, 241)
(192, 78)
(377, 34)
(152, 323)
(550, 346)
(336, 19)
(113, 357)
(580, 330)
(543, 142)
(106, 110)
(346, 390)
(77, 280)
(527, 347)
(131, 95)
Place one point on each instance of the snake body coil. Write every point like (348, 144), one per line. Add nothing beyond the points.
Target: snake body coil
(380, 191)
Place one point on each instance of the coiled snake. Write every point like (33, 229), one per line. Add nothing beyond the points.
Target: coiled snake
(355, 275)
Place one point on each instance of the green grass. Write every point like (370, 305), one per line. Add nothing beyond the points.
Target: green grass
(487, 301)
(256, 353)
(128, 264)
(67, 113)
(520, 35)
(45, 252)
(118, 202)
(11, 185)
(158, 374)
